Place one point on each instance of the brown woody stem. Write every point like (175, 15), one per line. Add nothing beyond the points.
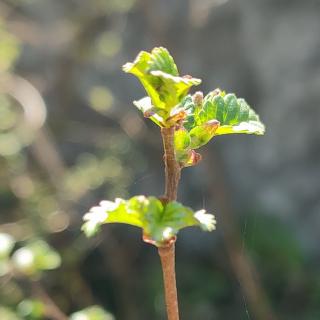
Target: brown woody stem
(167, 256)
(167, 253)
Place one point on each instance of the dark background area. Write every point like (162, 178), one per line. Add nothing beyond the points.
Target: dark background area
(70, 137)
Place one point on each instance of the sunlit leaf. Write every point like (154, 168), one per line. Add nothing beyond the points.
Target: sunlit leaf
(234, 114)
(185, 156)
(149, 111)
(159, 76)
(203, 133)
(191, 109)
(216, 114)
(160, 222)
(109, 212)
(181, 139)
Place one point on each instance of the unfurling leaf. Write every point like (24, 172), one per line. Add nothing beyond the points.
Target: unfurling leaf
(149, 111)
(160, 222)
(197, 119)
(200, 135)
(216, 114)
(159, 75)
(182, 142)
(234, 114)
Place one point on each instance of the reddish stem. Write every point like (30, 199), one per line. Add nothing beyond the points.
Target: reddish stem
(167, 253)
(167, 256)
(172, 168)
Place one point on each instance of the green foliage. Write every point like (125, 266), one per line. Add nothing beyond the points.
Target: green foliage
(201, 134)
(9, 48)
(160, 222)
(196, 119)
(7, 314)
(35, 257)
(31, 309)
(159, 75)
(216, 114)
(92, 313)
(233, 114)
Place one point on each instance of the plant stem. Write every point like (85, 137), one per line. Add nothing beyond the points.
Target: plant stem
(167, 256)
(167, 253)
(172, 168)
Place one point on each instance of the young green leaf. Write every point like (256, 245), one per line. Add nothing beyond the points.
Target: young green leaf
(202, 134)
(160, 222)
(149, 111)
(182, 142)
(159, 76)
(234, 114)
(190, 108)
(217, 113)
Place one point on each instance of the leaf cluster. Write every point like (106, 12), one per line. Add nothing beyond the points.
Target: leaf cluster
(197, 119)
(159, 221)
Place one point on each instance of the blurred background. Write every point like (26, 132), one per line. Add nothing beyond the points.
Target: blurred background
(70, 137)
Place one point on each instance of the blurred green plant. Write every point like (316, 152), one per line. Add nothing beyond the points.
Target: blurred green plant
(31, 207)
(6, 314)
(25, 261)
(9, 48)
(9, 53)
(31, 309)
(92, 313)
(160, 221)
(35, 257)
(30, 259)
(187, 122)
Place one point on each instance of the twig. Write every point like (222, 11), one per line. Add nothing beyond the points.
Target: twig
(172, 168)
(167, 253)
(167, 256)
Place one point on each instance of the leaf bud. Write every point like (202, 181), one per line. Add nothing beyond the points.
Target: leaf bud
(198, 98)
